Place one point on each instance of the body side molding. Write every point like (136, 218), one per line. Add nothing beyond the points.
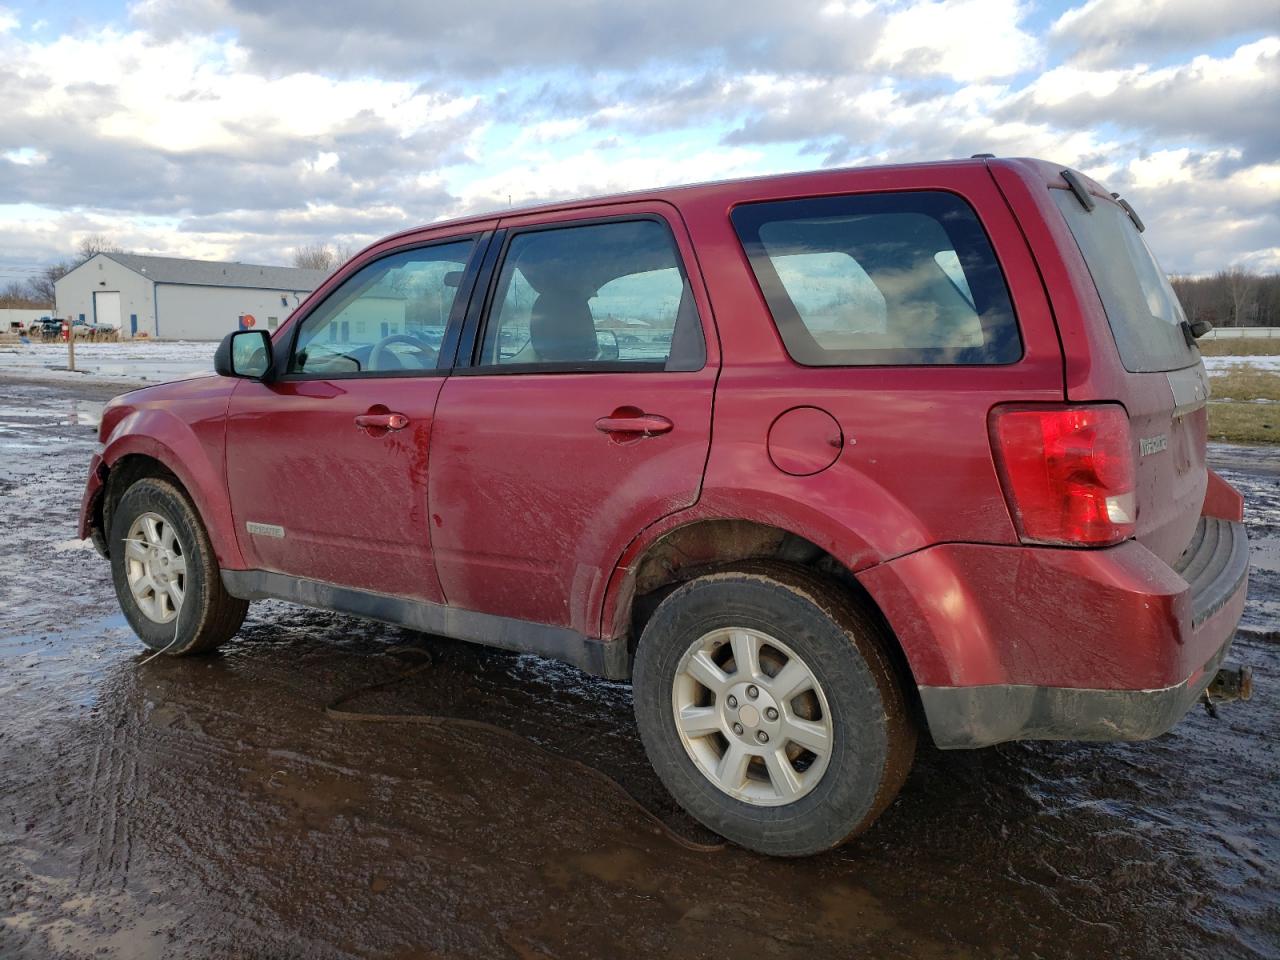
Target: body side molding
(602, 658)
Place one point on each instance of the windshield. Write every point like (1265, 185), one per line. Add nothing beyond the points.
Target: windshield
(1142, 309)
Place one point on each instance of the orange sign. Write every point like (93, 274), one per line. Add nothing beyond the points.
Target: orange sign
(248, 321)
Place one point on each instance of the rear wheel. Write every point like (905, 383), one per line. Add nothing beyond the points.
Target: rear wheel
(770, 710)
(166, 575)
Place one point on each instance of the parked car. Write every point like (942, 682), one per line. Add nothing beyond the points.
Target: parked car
(910, 448)
(47, 328)
(92, 331)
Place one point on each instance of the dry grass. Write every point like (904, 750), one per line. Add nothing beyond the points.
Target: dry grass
(1234, 414)
(1244, 347)
(1245, 383)
(1244, 422)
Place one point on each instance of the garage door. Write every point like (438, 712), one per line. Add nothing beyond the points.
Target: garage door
(106, 308)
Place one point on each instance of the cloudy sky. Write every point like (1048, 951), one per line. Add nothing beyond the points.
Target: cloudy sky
(240, 129)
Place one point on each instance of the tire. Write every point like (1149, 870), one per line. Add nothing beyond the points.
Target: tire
(826, 798)
(206, 616)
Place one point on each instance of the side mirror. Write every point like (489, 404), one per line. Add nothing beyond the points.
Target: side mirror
(607, 342)
(244, 353)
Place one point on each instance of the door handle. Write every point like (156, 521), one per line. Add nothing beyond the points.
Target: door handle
(382, 421)
(629, 420)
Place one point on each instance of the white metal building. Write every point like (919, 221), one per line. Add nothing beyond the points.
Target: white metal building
(172, 299)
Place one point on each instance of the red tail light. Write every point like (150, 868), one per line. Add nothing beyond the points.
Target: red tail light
(1067, 472)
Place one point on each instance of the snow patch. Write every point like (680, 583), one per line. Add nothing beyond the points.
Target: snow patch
(1226, 364)
(140, 361)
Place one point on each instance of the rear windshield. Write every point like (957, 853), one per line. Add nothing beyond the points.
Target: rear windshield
(1142, 309)
(885, 278)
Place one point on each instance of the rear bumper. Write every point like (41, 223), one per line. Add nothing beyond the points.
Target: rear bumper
(965, 717)
(1012, 643)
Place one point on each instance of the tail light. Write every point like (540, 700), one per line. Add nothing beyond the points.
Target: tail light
(1067, 472)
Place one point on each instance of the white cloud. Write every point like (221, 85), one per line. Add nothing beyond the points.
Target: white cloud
(196, 93)
(1203, 210)
(551, 131)
(25, 156)
(1210, 100)
(592, 172)
(1113, 31)
(220, 128)
(963, 39)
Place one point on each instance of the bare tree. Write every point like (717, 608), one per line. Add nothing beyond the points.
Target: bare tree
(40, 287)
(1241, 289)
(94, 244)
(315, 256)
(322, 256)
(1229, 298)
(17, 296)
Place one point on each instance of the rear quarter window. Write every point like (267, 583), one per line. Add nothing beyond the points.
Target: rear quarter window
(880, 279)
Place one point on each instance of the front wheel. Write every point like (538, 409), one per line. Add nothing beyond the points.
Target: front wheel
(166, 575)
(770, 710)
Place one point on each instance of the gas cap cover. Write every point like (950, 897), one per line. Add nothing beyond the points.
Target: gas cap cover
(805, 441)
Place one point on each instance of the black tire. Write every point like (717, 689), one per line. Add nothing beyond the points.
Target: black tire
(845, 650)
(208, 615)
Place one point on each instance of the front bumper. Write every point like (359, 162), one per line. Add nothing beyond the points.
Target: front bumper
(1027, 644)
(90, 525)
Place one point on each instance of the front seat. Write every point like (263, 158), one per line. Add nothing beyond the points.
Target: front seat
(561, 329)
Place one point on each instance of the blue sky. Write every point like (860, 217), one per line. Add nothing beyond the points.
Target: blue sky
(243, 129)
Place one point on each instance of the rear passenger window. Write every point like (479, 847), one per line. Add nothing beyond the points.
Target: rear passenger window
(593, 297)
(900, 278)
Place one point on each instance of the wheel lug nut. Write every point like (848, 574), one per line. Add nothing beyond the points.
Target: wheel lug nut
(737, 728)
(771, 713)
(752, 692)
(733, 702)
(762, 736)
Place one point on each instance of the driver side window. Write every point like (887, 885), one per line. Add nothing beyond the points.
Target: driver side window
(387, 318)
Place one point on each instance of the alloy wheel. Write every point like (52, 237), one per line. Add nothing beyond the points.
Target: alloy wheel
(752, 716)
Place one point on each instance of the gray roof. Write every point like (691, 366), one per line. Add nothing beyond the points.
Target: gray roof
(210, 273)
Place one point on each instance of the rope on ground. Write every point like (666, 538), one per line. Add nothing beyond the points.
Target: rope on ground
(334, 709)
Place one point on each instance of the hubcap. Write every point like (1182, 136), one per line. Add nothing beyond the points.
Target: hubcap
(155, 566)
(752, 716)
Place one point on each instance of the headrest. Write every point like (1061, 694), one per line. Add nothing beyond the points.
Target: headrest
(561, 328)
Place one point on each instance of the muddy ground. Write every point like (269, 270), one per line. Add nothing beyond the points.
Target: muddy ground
(212, 808)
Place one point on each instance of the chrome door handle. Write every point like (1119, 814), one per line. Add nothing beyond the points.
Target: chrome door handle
(382, 421)
(636, 423)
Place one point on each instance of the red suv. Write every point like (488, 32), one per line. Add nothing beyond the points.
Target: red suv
(815, 460)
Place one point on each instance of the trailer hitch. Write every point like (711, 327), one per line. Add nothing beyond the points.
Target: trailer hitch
(1233, 681)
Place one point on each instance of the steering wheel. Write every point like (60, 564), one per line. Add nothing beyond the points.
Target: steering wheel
(382, 358)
